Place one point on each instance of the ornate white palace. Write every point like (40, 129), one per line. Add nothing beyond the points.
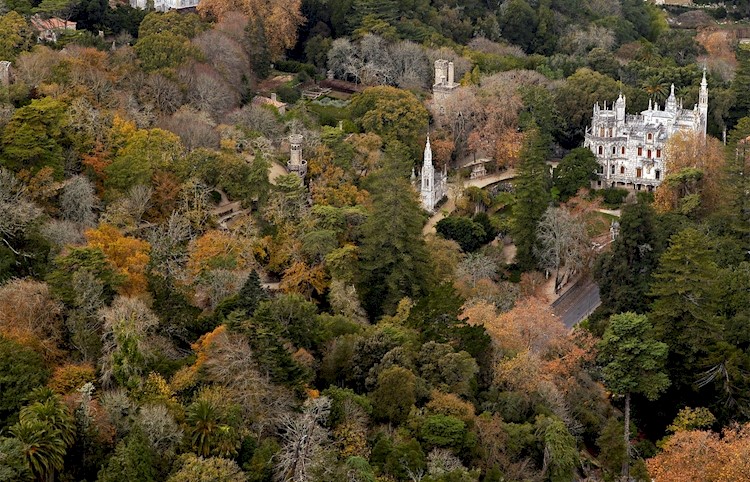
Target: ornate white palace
(434, 184)
(631, 148)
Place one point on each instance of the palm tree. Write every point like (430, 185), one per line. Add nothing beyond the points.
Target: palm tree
(655, 87)
(203, 418)
(55, 415)
(46, 429)
(43, 447)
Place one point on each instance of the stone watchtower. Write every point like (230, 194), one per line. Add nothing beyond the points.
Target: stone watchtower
(4, 73)
(445, 83)
(296, 164)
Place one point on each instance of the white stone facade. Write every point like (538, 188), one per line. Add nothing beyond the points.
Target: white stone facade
(631, 148)
(164, 5)
(434, 185)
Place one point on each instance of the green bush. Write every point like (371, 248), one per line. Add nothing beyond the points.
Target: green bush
(613, 197)
(288, 94)
(443, 431)
(296, 67)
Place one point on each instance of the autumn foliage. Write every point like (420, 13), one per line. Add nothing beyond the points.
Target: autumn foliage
(700, 455)
(279, 19)
(128, 255)
(695, 174)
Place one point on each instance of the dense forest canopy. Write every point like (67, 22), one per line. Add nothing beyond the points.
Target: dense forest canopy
(178, 303)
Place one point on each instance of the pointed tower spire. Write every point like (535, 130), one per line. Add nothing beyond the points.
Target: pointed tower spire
(703, 102)
(427, 190)
(428, 152)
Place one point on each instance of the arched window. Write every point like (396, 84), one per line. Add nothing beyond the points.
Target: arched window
(650, 136)
(622, 150)
(601, 150)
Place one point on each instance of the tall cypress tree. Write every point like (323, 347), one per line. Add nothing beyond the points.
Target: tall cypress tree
(741, 86)
(394, 261)
(532, 196)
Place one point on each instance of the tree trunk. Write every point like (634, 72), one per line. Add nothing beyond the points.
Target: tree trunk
(626, 462)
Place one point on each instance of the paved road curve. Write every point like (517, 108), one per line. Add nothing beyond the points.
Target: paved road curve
(577, 303)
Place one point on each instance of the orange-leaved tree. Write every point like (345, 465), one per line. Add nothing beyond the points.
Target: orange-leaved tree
(128, 255)
(278, 20)
(698, 455)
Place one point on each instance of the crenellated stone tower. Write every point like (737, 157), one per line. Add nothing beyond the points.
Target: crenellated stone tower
(296, 163)
(445, 84)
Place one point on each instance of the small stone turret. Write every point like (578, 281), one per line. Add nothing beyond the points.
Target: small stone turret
(671, 105)
(620, 109)
(296, 164)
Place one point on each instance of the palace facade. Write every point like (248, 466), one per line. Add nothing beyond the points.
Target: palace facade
(630, 149)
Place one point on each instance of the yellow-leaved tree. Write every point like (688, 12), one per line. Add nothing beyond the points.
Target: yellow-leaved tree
(694, 174)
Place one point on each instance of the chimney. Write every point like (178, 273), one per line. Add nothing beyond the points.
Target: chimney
(273, 96)
(450, 74)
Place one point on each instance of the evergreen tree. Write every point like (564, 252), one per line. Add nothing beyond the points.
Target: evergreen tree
(741, 86)
(633, 362)
(133, 460)
(574, 172)
(260, 55)
(383, 10)
(738, 177)
(624, 273)
(35, 137)
(687, 290)
(394, 261)
(518, 23)
(532, 197)
(248, 298)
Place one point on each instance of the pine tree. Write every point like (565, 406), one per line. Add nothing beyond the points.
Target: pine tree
(624, 274)
(738, 177)
(687, 290)
(633, 363)
(532, 197)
